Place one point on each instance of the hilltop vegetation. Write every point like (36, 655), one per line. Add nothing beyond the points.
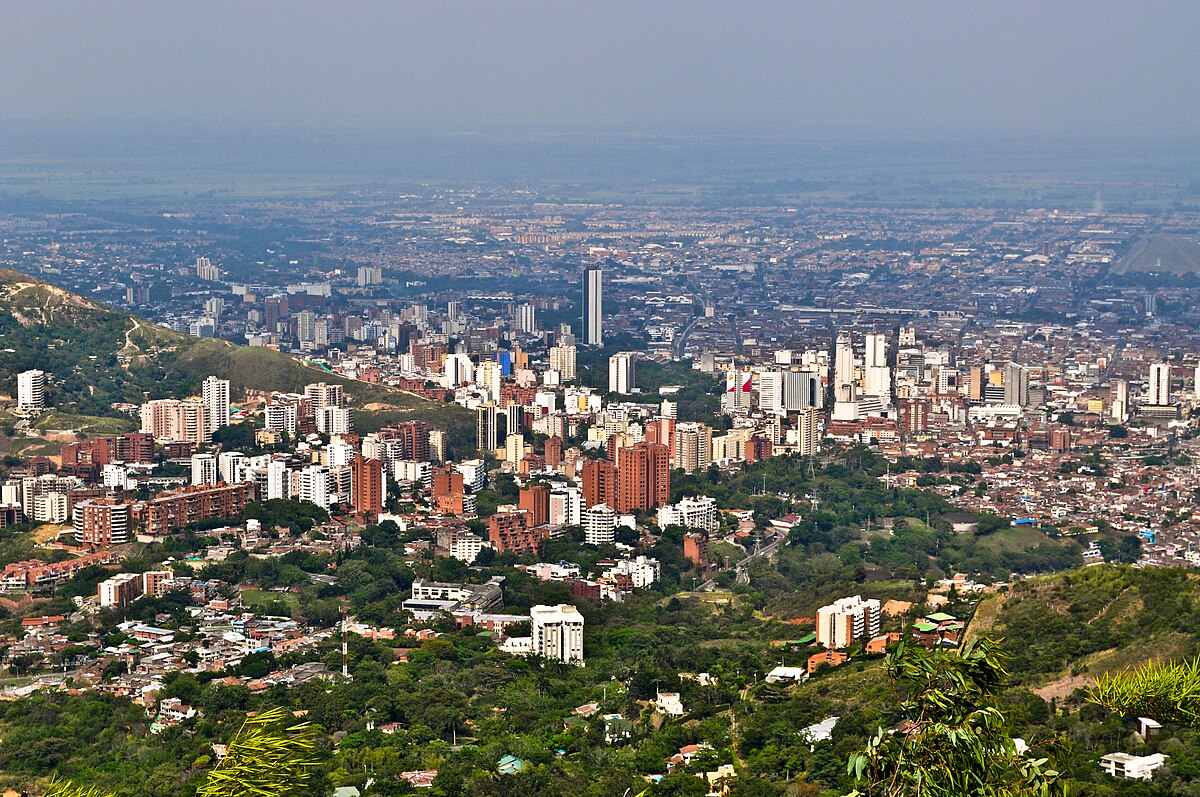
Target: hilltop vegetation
(97, 356)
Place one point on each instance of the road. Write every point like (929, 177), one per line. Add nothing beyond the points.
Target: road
(741, 572)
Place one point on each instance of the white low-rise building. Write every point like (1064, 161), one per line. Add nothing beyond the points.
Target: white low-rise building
(1133, 767)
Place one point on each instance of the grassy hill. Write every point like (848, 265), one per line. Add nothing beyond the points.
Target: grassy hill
(1063, 630)
(97, 356)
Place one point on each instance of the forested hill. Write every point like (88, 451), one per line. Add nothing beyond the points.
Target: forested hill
(96, 356)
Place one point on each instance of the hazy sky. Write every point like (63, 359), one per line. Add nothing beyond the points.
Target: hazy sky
(1091, 67)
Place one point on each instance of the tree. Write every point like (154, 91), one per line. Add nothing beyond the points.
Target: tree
(954, 739)
(1165, 691)
(267, 756)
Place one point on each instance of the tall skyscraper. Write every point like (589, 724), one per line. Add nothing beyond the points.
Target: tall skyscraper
(1016, 384)
(1120, 402)
(593, 306)
(215, 394)
(525, 318)
(366, 486)
(31, 390)
(622, 377)
(486, 434)
(643, 476)
(1160, 385)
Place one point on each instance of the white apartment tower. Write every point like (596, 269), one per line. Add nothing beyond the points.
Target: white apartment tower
(31, 390)
(621, 373)
(204, 469)
(525, 318)
(599, 525)
(1160, 385)
(593, 306)
(557, 633)
(215, 396)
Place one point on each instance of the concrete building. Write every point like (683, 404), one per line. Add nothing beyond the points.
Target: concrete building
(593, 306)
(557, 633)
(846, 620)
(622, 376)
(31, 390)
(1133, 767)
(599, 525)
(699, 512)
(215, 397)
(204, 469)
(119, 590)
(182, 421)
(1159, 386)
(562, 360)
(102, 521)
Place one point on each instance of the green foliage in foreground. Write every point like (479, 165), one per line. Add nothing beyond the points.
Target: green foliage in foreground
(1165, 691)
(956, 740)
(64, 788)
(266, 757)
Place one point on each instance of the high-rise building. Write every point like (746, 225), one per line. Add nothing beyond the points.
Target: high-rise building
(599, 482)
(488, 376)
(206, 271)
(562, 359)
(367, 486)
(807, 434)
(524, 318)
(101, 521)
(215, 395)
(557, 633)
(486, 433)
(31, 390)
(369, 275)
(693, 446)
(643, 476)
(204, 469)
(231, 467)
(535, 499)
(314, 485)
(1159, 394)
(599, 525)
(1016, 385)
(976, 383)
(279, 482)
(306, 326)
(621, 373)
(335, 420)
(182, 421)
(876, 354)
(323, 395)
(846, 620)
(593, 306)
(770, 391)
(1120, 401)
(566, 506)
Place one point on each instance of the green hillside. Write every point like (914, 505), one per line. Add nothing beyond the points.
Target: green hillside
(1063, 630)
(97, 356)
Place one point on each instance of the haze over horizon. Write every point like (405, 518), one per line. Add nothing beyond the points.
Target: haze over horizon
(1106, 70)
